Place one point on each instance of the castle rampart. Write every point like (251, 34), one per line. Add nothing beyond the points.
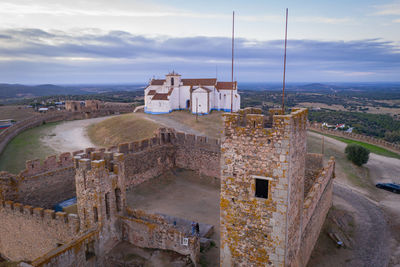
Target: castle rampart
(274, 196)
(41, 184)
(354, 136)
(27, 232)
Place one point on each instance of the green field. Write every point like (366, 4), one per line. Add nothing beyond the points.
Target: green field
(26, 146)
(373, 148)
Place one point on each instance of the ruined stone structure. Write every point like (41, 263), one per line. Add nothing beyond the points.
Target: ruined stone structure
(278, 227)
(267, 217)
(83, 106)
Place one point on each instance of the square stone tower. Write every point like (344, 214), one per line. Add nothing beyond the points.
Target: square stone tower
(101, 196)
(262, 187)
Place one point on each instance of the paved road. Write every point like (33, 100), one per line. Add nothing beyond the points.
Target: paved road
(372, 247)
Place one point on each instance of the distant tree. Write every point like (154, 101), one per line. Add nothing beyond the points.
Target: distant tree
(393, 137)
(357, 154)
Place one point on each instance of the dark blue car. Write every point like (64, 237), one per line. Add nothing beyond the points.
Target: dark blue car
(395, 188)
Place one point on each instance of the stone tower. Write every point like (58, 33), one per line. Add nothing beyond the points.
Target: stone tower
(262, 187)
(100, 192)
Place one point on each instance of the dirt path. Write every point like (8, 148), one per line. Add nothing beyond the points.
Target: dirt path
(372, 232)
(378, 169)
(70, 136)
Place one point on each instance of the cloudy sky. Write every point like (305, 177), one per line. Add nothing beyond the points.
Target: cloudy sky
(129, 41)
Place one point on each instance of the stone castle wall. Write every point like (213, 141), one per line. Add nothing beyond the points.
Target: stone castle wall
(316, 207)
(71, 254)
(153, 231)
(41, 184)
(198, 153)
(359, 137)
(27, 232)
(314, 164)
(150, 158)
(270, 231)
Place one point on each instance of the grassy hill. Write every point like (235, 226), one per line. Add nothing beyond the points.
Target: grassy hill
(120, 129)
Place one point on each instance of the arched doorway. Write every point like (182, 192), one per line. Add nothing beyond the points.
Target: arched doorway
(188, 103)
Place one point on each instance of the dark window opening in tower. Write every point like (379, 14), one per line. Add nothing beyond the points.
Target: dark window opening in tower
(95, 214)
(118, 199)
(261, 188)
(107, 200)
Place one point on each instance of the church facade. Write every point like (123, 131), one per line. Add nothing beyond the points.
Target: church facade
(200, 96)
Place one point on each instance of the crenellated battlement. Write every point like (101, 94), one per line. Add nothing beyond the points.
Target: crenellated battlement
(33, 167)
(46, 216)
(251, 121)
(99, 159)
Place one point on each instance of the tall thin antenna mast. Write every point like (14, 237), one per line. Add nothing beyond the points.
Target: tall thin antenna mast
(233, 43)
(284, 67)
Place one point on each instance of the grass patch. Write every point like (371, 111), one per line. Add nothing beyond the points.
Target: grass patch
(358, 176)
(120, 129)
(26, 146)
(210, 125)
(372, 148)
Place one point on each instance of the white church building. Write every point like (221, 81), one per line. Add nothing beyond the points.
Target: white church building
(197, 95)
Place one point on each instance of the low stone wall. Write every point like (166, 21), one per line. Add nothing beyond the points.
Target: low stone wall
(27, 233)
(359, 137)
(153, 231)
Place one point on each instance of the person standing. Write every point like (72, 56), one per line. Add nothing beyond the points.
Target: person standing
(197, 229)
(193, 227)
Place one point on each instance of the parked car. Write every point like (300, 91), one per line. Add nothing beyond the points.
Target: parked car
(395, 188)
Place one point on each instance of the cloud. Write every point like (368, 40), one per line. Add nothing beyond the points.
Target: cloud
(388, 9)
(91, 55)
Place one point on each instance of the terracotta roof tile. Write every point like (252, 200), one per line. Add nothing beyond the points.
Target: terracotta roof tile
(152, 92)
(157, 82)
(226, 85)
(160, 96)
(196, 82)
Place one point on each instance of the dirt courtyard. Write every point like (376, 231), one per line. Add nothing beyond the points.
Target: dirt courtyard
(183, 194)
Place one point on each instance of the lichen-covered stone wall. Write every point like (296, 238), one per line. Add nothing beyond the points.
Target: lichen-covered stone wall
(263, 231)
(198, 153)
(27, 232)
(73, 254)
